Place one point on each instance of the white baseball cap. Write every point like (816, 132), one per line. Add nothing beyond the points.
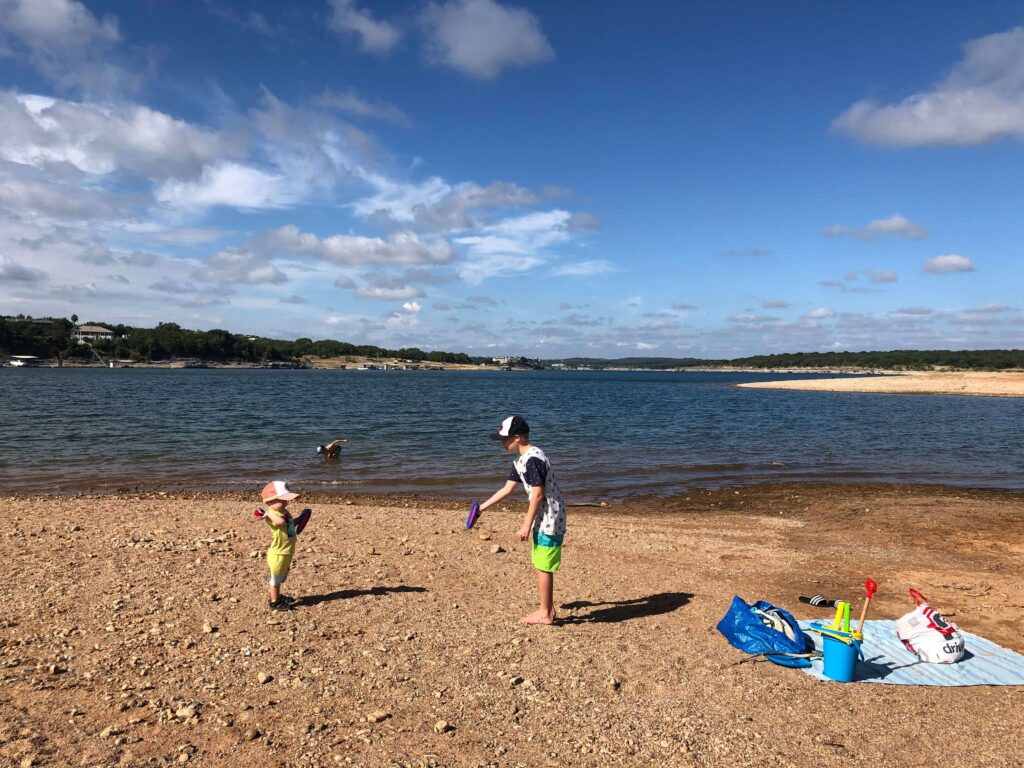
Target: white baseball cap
(277, 490)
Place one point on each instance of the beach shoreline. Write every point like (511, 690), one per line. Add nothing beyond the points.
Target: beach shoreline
(969, 383)
(138, 622)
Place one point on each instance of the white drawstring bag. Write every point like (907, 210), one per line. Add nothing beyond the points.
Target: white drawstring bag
(928, 635)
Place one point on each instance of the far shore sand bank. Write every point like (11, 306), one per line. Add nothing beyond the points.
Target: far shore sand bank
(911, 383)
(135, 630)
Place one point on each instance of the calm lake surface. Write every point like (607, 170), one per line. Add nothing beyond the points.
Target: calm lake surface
(609, 435)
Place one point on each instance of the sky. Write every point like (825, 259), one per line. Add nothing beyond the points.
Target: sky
(548, 179)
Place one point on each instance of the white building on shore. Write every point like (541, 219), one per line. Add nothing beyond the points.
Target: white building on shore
(92, 333)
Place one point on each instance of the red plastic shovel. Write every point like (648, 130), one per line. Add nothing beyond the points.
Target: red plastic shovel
(869, 590)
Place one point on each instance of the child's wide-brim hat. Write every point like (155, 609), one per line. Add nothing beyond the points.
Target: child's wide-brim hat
(277, 490)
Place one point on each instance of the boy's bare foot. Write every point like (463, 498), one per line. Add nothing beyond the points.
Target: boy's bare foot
(538, 617)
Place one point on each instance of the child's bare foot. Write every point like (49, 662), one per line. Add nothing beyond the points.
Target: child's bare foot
(538, 617)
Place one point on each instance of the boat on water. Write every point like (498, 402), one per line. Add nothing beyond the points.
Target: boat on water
(24, 361)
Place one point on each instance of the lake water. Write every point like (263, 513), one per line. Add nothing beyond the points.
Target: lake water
(609, 435)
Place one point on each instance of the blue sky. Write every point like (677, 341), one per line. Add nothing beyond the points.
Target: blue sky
(549, 179)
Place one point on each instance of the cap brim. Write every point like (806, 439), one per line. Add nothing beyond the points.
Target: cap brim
(287, 497)
(497, 436)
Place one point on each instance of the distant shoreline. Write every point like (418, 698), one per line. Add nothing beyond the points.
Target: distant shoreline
(970, 383)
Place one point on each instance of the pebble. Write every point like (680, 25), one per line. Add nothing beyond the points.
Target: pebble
(443, 726)
(485, 537)
(252, 734)
(208, 628)
(515, 681)
(497, 549)
(377, 716)
(185, 712)
(264, 678)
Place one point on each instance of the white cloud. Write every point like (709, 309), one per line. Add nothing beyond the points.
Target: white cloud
(44, 132)
(234, 185)
(348, 250)
(480, 38)
(384, 293)
(239, 265)
(944, 265)
(31, 194)
(65, 41)
(584, 268)
(374, 36)
(883, 276)
(437, 205)
(644, 345)
(821, 313)
(513, 245)
(682, 306)
(980, 101)
(411, 306)
(774, 304)
(891, 226)
(56, 25)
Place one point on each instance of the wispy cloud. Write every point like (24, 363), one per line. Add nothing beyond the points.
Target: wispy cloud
(584, 268)
(749, 251)
(980, 101)
(891, 226)
(351, 103)
(374, 36)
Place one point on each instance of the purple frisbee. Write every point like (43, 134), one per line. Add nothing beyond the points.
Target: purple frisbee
(474, 514)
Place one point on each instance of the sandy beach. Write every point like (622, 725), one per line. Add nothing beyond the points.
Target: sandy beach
(135, 632)
(1001, 384)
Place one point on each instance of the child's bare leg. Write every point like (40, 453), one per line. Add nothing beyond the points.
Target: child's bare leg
(546, 589)
(275, 592)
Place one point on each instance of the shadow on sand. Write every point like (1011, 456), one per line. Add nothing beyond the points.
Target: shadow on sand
(345, 594)
(624, 610)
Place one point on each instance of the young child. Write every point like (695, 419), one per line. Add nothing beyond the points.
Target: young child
(545, 517)
(332, 450)
(284, 532)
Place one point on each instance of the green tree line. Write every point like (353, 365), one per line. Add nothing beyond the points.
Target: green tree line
(900, 359)
(169, 341)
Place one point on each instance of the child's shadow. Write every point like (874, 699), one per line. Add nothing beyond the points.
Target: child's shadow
(623, 610)
(345, 594)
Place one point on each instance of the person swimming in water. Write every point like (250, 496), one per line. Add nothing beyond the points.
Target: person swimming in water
(331, 451)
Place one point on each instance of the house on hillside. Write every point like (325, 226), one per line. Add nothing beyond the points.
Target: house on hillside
(92, 333)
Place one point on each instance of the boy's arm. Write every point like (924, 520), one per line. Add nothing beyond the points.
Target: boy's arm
(275, 518)
(536, 497)
(510, 486)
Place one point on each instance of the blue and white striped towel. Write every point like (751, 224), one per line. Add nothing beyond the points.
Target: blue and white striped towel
(886, 660)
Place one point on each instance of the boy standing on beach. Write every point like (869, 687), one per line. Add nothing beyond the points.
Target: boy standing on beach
(284, 532)
(545, 517)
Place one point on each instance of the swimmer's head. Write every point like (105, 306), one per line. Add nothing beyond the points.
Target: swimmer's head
(320, 449)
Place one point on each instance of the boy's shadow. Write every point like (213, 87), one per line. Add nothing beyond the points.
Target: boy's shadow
(345, 594)
(623, 610)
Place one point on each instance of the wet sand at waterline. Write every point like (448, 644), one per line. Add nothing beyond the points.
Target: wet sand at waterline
(135, 631)
(913, 383)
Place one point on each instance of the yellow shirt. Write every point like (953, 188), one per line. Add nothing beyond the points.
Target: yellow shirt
(281, 544)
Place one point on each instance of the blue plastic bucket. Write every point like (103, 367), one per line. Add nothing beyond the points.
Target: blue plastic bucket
(840, 657)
